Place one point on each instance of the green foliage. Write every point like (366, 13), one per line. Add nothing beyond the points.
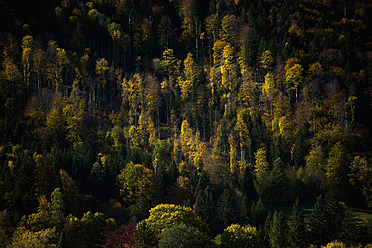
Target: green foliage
(140, 209)
(258, 214)
(204, 207)
(135, 180)
(70, 192)
(328, 221)
(297, 233)
(189, 102)
(277, 234)
(226, 210)
(337, 165)
(87, 231)
(184, 236)
(145, 235)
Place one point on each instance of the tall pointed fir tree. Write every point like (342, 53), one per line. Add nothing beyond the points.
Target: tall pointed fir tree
(297, 235)
(226, 208)
(205, 208)
(277, 234)
(317, 222)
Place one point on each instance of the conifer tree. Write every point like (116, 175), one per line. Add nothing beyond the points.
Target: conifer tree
(262, 166)
(245, 211)
(277, 234)
(226, 208)
(145, 236)
(317, 222)
(205, 207)
(297, 235)
(258, 214)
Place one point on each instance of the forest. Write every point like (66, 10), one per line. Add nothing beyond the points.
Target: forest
(186, 123)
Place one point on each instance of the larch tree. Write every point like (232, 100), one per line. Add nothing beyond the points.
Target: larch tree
(190, 74)
(261, 165)
(269, 91)
(293, 77)
(337, 165)
(267, 60)
(27, 52)
(244, 140)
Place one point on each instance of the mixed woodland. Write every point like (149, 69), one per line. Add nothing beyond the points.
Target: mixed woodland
(185, 123)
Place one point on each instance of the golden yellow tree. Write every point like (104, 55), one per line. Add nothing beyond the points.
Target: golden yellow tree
(187, 83)
(243, 133)
(191, 146)
(262, 166)
(27, 47)
(267, 60)
(293, 76)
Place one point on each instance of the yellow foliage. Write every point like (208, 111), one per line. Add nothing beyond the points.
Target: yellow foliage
(268, 88)
(267, 60)
(166, 215)
(28, 239)
(218, 47)
(293, 74)
(335, 244)
(243, 132)
(233, 155)
(190, 76)
(191, 145)
(101, 70)
(262, 166)
(11, 70)
(135, 179)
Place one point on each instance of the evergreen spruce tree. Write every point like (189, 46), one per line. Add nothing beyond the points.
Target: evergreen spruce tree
(297, 235)
(140, 209)
(61, 241)
(247, 184)
(318, 222)
(279, 182)
(226, 208)
(277, 234)
(299, 150)
(258, 214)
(205, 208)
(203, 181)
(264, 232)
(245, 211)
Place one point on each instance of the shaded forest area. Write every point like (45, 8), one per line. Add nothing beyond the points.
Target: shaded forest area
(156, 123)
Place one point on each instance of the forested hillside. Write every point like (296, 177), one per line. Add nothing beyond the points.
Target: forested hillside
(156, 123)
